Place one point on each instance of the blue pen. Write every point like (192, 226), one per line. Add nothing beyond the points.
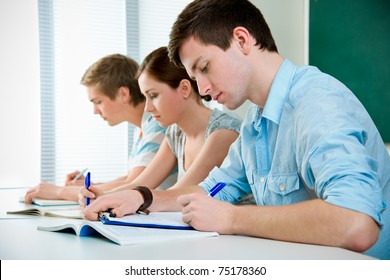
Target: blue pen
(87, 183)
(214, 190)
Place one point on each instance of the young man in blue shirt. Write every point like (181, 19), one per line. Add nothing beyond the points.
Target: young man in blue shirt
(307, 150)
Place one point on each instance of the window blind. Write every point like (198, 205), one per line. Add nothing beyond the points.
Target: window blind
(73, 35)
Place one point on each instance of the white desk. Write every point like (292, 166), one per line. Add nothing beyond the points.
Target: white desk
(20, 239)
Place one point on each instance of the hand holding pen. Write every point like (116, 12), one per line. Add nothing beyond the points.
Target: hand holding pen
(78, 176)
(204, 213)
(75, 178)
(88, 192)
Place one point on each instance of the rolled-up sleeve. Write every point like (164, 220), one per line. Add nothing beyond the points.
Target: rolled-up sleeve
(346, 176)
(337, 160)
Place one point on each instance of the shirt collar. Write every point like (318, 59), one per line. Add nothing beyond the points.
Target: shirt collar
(279, 91)
(146, 117)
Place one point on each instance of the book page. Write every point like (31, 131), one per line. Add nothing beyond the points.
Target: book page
(124, 235)
(69, 213)
(74, 213)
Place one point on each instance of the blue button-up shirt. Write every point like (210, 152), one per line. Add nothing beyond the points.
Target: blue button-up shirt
(313, 138)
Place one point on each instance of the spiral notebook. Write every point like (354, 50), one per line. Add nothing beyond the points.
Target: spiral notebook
(167, 220)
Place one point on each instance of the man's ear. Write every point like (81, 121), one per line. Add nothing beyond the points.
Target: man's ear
(243, 38)
(124, 94)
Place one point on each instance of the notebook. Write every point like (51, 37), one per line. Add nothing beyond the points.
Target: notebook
(123, 235)
(50, 202)
(73, 213)
(168, 220)
(53, 202)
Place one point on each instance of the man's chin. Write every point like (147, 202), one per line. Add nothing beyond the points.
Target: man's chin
(111, 123)
(230, 106)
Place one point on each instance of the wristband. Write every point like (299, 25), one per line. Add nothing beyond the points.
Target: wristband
(148, 199)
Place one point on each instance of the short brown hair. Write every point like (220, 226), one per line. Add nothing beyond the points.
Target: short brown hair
(213, 22)
(110, 73)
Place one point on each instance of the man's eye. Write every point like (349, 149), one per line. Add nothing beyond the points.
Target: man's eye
(205, 68)
(153, 96)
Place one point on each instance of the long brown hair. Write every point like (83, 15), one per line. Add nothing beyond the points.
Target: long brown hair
(158, 65)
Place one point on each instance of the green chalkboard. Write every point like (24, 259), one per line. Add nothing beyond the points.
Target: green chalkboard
(350, 40)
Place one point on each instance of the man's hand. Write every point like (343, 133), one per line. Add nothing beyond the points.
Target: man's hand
(70, 179)
(43, 190)
(206, 213)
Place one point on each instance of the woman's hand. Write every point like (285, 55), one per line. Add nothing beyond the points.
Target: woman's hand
(119, 203)
(92, 193)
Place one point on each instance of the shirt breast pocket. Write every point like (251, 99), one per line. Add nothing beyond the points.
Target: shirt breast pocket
(284, 189)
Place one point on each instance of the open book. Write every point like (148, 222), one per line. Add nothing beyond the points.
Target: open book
(126, 235)
(74, 213)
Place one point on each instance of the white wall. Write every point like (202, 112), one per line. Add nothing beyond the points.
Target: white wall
(161, 13)
(19, 92)
(288, 21)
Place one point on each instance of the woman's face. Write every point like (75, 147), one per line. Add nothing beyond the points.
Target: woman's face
(162, 101)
